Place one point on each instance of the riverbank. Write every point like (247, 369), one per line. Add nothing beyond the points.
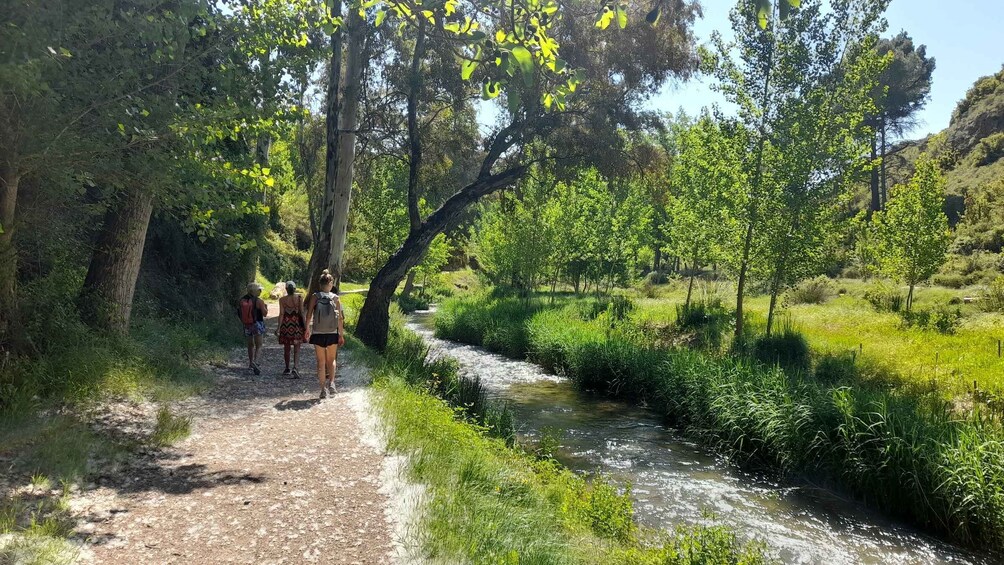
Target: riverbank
(909, 456)
(489, 501)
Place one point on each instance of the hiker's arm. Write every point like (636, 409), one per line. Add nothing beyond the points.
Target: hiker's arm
(341, 324)
(309, 314)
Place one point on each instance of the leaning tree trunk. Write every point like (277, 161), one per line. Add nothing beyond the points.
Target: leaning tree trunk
(322, 245)
(409, 284)
(10, 178)
(347, 142)
(106, 299)
(374, 318)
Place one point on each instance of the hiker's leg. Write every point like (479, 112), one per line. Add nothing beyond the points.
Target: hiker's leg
(285, 354)
(257, 347)
(321, 363)
(329, 369)
(296, 355)
(250, 340)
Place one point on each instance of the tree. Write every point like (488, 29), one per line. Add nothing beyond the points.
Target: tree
(705, 177)
(513, 49)
(799, 77)
(903, 88)
(910, 237)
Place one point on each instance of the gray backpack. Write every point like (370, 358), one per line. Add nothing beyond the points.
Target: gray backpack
(326, 313)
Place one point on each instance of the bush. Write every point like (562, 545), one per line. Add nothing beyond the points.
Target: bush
(787, 348)
(988, 150)
(835, 368)
(656, 277)
(949, 280)
(412, 302)
(942, 319)
(884, 298)
(812, 291)
(992, 298)
(706, 319)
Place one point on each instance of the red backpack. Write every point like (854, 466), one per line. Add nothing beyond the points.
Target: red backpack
(247, 310)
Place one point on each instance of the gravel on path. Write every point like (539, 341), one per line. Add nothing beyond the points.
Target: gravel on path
(269, 474)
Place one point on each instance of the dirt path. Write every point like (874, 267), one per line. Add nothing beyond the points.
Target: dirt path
(270, 474)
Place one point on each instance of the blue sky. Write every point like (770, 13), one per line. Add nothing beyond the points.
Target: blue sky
(964, 37)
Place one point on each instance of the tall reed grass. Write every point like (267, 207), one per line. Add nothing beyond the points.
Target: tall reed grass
(490, 502)
(912, 456)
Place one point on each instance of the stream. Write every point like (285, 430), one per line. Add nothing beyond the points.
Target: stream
(676, 482)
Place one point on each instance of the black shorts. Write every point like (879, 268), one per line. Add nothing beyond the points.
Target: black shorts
(324, 340)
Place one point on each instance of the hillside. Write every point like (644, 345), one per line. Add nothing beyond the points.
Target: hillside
(971, 148)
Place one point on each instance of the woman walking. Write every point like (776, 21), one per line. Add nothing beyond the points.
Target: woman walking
(327, 332)
(252, 311)
(292, 327)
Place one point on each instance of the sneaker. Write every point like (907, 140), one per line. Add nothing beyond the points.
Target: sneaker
(255, 368)
(296, 373)
(286, 372)
(324, 393)
(331, 388)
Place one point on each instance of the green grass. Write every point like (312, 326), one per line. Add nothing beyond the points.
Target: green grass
(919, 357)
(44, 427)
(489, 502)
(908, 453)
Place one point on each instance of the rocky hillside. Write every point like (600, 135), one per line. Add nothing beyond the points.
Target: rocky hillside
(971, 149)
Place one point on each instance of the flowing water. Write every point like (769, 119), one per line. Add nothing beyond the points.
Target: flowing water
(676, 482)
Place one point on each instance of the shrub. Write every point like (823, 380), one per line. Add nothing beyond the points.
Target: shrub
(942, 319)
(412, 302)
(656, 277)
(884, 298)
(949, 280)
(786, 347)
(835, 368)
(706, 319)
(812, 291)
(988, 150)
(992, 298)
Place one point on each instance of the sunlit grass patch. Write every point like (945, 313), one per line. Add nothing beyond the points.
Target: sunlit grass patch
(170, 428)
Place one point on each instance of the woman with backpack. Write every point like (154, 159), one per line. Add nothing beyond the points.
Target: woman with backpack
(252, 311)
(292, 327)
(327, 332)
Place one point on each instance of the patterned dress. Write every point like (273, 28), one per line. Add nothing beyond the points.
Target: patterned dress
(291, 325)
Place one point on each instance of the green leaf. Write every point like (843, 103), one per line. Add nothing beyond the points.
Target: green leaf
(762, 12)
(525, 62)
(795, 3)
(380, 17)
(622, 19)
(490, 90)
(514, 100)
(467, 69)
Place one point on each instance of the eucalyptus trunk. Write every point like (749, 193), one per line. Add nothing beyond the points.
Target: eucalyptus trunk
(347, 142)
(107, 296)
(322, 245)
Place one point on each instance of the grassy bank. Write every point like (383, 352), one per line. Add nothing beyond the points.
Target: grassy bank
(908, 454)
(492, 502)
(49, 439)
(845, 323)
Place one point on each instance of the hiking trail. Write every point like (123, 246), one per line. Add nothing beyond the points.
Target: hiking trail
(269, 474)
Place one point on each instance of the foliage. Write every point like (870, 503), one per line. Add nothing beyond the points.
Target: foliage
(885, 298)
(489, 503)
(910, 238)
(816, 290)
(707, 319)
(863, 437)
(944, 319)
(992, 298)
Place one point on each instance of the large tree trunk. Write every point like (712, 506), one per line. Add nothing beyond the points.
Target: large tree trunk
(106, 299)
(10, 178)
(322, 246)
(374, 318)
(409, 284)
(347, 142)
